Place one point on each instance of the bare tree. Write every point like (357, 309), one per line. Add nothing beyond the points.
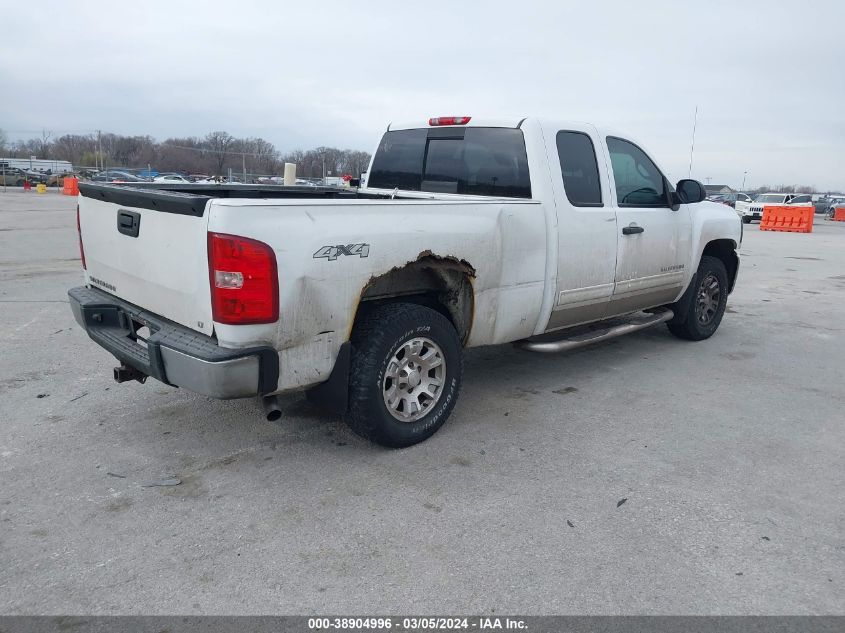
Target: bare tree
(185, 154)
(74, 147)
(43, 144)
(356, 162)
(211, 154)
(219, 143)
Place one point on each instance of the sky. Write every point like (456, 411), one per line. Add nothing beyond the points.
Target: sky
(768, 78)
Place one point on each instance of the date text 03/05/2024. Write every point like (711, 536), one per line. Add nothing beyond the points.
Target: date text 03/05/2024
(417, 623)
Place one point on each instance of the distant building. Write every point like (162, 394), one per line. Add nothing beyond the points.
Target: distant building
(37, 164)
(714, 190)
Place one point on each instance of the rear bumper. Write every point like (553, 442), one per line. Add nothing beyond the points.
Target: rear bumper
(173, 354)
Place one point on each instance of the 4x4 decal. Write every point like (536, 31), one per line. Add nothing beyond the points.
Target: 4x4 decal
(333, 252)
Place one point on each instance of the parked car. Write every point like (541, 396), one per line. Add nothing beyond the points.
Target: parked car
(730, 199)
(36, 177)
(830, 204)
(13, 177)
(755, 209)
(114, 175)
(57, 180)
(174, 178)
(742, 203)
(802, 199)
(733, 198)
(465, 236)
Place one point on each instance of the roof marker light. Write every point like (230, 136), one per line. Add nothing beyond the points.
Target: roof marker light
(449, 120)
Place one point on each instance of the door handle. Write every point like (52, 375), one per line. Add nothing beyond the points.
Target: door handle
(632, 229)
(128, 222)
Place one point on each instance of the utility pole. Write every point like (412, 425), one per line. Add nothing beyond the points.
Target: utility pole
(744, 174)
(101, 165)
(243, 158)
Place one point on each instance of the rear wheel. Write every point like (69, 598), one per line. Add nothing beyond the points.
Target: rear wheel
(708, 302)
(405, 374)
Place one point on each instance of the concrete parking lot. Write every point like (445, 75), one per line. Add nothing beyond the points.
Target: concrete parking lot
(644, 475)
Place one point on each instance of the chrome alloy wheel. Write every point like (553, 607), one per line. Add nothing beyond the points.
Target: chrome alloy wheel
(707, 299)
(414, 379)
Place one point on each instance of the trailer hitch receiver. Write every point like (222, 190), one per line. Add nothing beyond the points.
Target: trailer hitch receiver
(125, 373)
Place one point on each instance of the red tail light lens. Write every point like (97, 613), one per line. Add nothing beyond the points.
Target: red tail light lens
(244, 280)
(449, 120)
(79, 233)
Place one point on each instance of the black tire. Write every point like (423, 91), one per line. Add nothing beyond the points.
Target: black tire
(746, 219)
(705, 311)
(377, 337)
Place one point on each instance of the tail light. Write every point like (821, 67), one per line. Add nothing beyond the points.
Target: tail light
(449, 120)
(79, 233)
(244, 280)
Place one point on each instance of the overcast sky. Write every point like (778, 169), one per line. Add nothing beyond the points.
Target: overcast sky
(768, 77)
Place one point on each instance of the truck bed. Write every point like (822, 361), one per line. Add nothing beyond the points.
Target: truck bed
(191, 199)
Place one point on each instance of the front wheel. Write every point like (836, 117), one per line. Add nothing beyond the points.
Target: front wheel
(405, 374)
(746, 219)
(709, 299)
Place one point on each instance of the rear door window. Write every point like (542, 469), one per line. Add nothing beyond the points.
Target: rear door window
(579, 169)
(472, 161)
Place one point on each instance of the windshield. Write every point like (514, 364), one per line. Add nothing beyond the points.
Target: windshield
(769, 198)
(474, 161)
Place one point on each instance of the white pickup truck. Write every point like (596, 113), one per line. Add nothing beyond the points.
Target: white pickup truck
(469, 232)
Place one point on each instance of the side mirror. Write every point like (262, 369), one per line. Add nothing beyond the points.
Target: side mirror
(690, 191)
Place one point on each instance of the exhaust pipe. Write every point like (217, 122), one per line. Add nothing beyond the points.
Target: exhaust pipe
(271, 408)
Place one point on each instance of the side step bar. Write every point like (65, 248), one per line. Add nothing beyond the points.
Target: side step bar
(587, 338)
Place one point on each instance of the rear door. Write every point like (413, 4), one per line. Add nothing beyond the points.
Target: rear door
(654, 241)
(150, 252)
(587, 233)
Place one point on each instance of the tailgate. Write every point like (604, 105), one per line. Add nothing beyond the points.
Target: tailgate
(149, 248)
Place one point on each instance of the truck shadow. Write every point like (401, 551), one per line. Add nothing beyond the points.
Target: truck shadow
(496, 377)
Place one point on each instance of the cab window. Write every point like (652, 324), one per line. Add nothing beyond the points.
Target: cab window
(579, 169)
(639, 182)
(473, 161)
